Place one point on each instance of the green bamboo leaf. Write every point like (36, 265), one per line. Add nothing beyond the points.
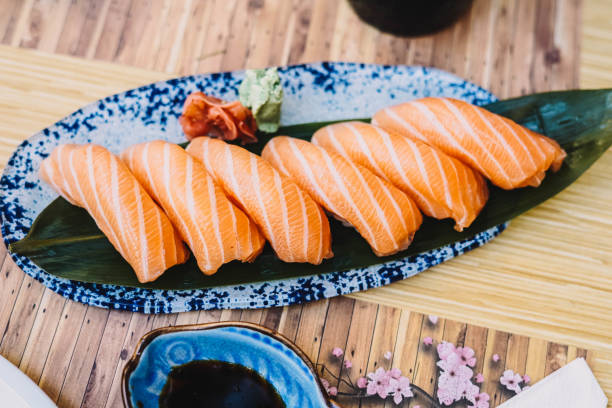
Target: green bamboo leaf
(65, 241)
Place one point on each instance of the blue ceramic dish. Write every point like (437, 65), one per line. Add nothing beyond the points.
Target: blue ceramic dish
(313, 92)
(275, 358)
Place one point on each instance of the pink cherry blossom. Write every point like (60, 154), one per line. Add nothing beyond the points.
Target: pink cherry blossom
(458, 375)
(479, 378)
(466, 354)
(511, 380)
(481, 400)
(428, 341)
(446, 396)
(348, 364)
(417, 406)
(395, 373)
(400, 388)
(333, 391)
(433, 319)
(388, 355)
(526, 379)
(495, 357)
(378, 383)
(362, 382)
(470, 392)
(450, 363)
(325, 383)
(445, 349)
(337, 351)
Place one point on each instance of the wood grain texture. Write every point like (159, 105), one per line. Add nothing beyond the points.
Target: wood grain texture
(521, 283)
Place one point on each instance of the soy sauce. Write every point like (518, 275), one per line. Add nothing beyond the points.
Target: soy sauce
(212, 384)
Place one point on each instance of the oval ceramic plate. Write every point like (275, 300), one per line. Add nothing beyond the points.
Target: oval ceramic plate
(275, 358)
(313, 93)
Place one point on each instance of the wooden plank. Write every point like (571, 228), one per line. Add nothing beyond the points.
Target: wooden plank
(480, 42)
(556, 357)
(335, 334)
(408, 341)
(271, 318)
(215, 43)
(425, 369)
(253, 316)
(83, 357)
(260, 41)
(310, 330)
(17, 332)
(522, 48)
(187, 318)
(207, 316)
(282, 34)
(107, 356)
(303, 16)
(407, 345)
(193, 39)
(383, 341)
(62, 349)
(237, 46)
(108, 45)
(12, 278)
(77, 35)
(230, 315)
(497, 343)
(40, 337)
(516, 357)
(290, 321)
(8, 19)
(502, 48)
(321, 23)
(358, 345)
(535, 365)
(139, 326)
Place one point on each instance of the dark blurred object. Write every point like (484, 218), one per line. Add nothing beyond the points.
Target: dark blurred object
(410, 17)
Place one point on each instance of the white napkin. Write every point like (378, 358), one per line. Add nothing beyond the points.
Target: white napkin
(573, 385)
(18, 391)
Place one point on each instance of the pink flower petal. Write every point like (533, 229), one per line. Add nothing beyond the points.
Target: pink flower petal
(337, 351)
(362, 382)
(388, 355)
(526, 379)
(333, 391)
(348, 364)
(325, 383)
(479, 378)
(395, 373)
(445, 349)
(495, 357)
(428, 341)
(433, 319)
(397, 398)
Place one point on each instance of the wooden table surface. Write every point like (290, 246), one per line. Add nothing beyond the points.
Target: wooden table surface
(548, 276)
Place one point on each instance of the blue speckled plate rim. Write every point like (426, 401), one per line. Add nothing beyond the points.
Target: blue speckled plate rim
(259, 294)
(132, 364)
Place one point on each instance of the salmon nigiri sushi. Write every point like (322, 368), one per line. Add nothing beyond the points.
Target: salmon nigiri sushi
(386, 217)
(441, 186)
(214, 228)
(505, 152)
(294, 224)
(91, 177)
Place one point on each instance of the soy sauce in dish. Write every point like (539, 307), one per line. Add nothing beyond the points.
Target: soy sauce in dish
(213, 383)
